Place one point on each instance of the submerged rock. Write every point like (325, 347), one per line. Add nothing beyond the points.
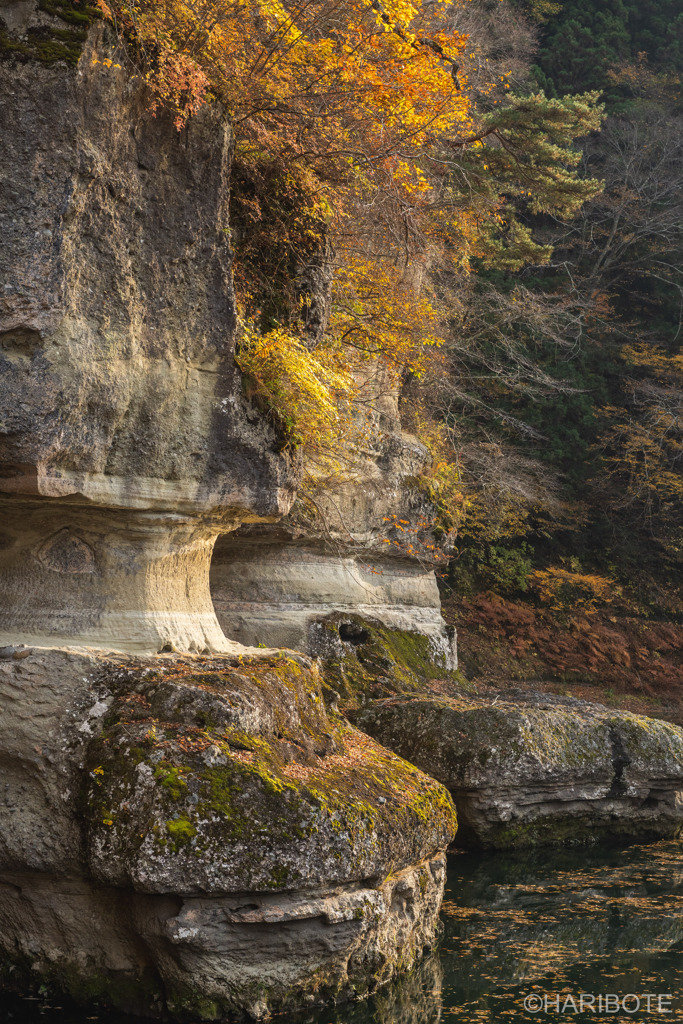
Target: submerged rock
(198, 837)
(528, 768)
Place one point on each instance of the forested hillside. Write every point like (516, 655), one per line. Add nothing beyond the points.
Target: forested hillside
(579, 567)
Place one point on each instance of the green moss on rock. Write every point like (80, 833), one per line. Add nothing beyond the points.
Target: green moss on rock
(298, 799)
(537, 769)
(181, 830)
(52, 43)
(171, 778)
(376, 661)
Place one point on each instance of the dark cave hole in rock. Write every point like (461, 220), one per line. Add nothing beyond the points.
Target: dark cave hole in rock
(353, 634)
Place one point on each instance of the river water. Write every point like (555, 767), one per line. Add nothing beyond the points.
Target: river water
(547, 927)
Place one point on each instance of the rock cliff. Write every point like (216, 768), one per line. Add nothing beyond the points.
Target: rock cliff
(363, 551)
(125, 444)
(191, 829)
(184, 837)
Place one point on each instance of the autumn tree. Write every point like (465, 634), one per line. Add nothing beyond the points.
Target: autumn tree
(564, 392)
(382, 152)
(362, 117)
(584, 41)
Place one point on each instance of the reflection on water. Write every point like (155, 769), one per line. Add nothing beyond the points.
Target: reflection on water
(562, 923)
(556, 923)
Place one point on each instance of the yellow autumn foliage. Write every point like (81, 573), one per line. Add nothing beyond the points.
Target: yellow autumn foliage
(363, 149)
(308, 394)
(377, 312)
(564, 589)
(441, 480)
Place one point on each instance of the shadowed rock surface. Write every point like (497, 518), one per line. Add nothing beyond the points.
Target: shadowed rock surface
(362, 659)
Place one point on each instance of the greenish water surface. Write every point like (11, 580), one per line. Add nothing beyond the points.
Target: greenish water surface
(546, 926)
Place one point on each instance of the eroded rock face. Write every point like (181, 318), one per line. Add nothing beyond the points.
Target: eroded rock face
(125, 443)
(268, 586)
(199, 837)
(181, 838)
(528, 769)
(365, 552)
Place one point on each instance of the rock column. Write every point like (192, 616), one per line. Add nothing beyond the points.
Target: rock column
(125, 444)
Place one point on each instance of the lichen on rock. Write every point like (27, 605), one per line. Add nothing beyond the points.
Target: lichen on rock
(240, 848)
(187, 793)
(363, 658)
(528, 768)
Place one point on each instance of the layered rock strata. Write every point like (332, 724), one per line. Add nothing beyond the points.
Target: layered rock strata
(182, 838)
(197, 837)
(367, 550)
(266, 585)
(528, 769)
(126, 446)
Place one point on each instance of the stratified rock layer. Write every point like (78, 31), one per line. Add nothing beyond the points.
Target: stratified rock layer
(199, 837)
(267, 588)
(126, 446)
(368, 549)
(529, 769)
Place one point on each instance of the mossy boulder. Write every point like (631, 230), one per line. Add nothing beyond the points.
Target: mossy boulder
(197, 837)
(363, 659)
(238, 779)
(528, 768)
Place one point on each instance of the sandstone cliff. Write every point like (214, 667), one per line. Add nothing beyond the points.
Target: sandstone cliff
(180, 837)
(362, 544)
(125, 443)
(202, 834)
